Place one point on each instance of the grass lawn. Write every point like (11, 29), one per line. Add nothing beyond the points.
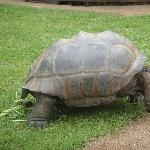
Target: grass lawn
(24, 33)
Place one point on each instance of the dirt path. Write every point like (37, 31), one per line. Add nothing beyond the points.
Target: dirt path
(122, 10)
(135, 137)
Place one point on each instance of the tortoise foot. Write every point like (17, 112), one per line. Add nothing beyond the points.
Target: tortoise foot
(39, 124)
(136, 98)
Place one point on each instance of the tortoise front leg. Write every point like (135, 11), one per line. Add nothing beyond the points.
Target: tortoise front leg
(42, 111)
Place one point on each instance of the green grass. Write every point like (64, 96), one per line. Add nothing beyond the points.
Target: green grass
(24, 33)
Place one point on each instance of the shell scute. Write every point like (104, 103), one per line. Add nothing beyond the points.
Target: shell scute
(120, 59)
(66, 60)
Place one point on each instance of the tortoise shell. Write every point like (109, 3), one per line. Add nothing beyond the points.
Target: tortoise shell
(86, 67)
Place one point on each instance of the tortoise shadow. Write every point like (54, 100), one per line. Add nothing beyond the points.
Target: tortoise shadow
(116, 108)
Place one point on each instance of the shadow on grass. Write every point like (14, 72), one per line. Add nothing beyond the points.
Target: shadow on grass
(119, 107)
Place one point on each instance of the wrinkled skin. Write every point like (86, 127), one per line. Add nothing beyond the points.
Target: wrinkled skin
(138, 89)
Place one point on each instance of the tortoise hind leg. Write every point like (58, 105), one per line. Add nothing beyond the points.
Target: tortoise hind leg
(42, 111)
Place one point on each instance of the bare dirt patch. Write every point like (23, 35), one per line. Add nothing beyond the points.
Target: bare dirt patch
(122, 10)
(135, 137)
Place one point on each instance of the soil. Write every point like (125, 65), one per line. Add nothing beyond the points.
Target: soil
(122, 10)
(135, 137)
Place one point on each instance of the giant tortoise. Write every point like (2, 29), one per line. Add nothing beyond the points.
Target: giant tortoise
(90, 69)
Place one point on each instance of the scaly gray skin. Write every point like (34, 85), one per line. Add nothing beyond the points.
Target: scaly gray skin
(43, 111)
(44, 108)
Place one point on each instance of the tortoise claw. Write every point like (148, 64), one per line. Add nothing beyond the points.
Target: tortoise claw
(39, 124)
